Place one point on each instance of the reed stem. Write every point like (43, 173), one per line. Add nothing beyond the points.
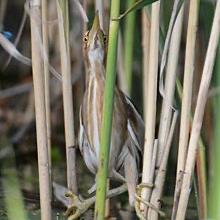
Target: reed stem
(199, 112)
(107, 112)
(151, 101)
(129, 45)
(63, 16)
(40, 112)
(187, 94)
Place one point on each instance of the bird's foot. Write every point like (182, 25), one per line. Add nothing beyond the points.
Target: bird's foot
(139, 200)
(78, 206)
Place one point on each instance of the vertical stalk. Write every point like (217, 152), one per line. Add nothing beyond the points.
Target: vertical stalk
(201, 180)
(199, 112)
(215, 180)
(40, 111)
(13, 199)
(3, 6)
(107, 112)
(150, 111)
(187, 95)
(145, 60)
(161, 175)
(166, 114)
(44, 10)
(201, 167)
(129, 45)
(63, 16)
(170, 81)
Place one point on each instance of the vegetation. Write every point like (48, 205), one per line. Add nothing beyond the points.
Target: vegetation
(166, 52)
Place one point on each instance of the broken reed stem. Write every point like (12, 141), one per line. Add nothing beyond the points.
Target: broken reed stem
(40, 112)
(160, 178)
(187, 95)
(150, 111)
(199, 112)
(145, 51)
(129, 45)
(63, 17)
(44, 10)
(107, 112)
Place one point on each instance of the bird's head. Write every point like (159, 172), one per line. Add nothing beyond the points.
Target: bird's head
(95, 43)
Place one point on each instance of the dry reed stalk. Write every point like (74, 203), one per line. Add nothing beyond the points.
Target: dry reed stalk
(160, 178)
(187, 96)
(129, 29)
(44, 11)
(38, 80)
(201, 158)
(176, 7)
(165, 121)
(199, 112)
(154, 160)
(145, 47)
(170, 81)
(150, 110)
(62, 11)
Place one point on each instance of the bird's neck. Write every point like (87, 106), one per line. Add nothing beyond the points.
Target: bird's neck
(97, 69)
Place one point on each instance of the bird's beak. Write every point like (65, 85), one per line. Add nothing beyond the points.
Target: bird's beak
(95, 26)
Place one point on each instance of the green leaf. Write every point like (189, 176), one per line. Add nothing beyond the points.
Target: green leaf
(137, 5)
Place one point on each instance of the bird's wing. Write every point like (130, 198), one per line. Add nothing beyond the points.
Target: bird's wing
(85, 147)
(135, 124)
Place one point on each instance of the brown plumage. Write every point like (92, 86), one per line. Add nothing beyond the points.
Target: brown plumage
(127, 127)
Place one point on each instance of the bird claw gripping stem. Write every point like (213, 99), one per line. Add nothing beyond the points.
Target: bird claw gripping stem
(78, 206)
(141, 200)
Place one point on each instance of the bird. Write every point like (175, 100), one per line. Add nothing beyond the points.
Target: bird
(127, 137)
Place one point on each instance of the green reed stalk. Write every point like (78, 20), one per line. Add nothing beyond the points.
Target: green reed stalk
(129, 45)
(215, 181)
(14, 203)
(107, 112)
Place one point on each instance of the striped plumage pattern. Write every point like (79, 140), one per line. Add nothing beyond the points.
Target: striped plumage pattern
(127, 127)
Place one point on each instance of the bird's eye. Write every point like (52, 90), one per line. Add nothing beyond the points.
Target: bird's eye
(105, 39)
(85, 39)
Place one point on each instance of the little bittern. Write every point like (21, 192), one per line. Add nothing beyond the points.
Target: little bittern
(127, 126)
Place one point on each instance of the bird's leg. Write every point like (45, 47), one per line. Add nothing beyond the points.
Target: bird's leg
(139, 199)
(79, 206)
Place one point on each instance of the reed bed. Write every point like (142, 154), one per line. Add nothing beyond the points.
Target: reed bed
(158, 60)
